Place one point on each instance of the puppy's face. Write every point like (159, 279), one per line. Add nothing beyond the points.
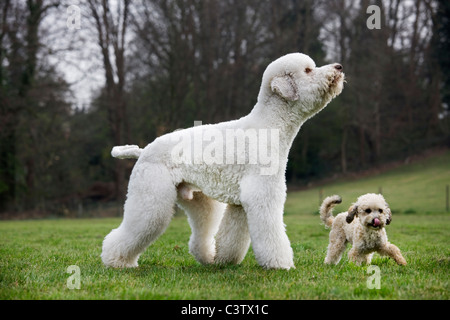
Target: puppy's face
(295, 78)
(372, 216)
(372, 210)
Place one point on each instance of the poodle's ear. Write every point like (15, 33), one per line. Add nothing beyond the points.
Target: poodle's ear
(285, 87)
(389, 213)
(352, 211)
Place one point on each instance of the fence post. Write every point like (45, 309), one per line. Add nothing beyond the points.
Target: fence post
(447, 198)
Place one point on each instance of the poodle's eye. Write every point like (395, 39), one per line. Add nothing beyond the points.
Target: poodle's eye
(308, 70)
(381, 210)
(368, 211)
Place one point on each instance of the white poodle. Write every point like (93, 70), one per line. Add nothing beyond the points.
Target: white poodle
(228, 177)
(362, 226)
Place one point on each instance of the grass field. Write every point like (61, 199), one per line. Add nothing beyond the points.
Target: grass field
(35, 255)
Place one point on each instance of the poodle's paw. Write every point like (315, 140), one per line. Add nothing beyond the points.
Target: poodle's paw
(401, 261)
(119, 262)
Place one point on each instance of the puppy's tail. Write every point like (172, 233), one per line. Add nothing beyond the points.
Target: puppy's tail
(126, 152)
(326, 209)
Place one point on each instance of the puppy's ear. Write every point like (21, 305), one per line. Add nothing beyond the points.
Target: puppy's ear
(285, 87)
(352, 211)
(389, 213)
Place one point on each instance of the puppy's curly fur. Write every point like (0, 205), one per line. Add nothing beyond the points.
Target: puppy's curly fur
(362, 226)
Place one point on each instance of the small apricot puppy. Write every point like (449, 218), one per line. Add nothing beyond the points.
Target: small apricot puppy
(362, 226)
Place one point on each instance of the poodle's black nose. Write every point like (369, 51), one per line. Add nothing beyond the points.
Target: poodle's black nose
(338, 67)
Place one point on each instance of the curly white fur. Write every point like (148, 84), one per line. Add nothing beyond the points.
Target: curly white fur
(227, 204)
(362, 226)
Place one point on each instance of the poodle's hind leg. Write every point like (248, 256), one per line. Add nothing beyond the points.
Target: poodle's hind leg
(204, 216)
(336, 247)
(148, 210)
(233, 238)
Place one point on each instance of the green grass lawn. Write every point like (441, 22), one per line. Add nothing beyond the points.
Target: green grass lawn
(36, 254)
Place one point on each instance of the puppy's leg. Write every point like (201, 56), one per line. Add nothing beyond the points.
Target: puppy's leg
(336, 247)
(394, 252)
(359, 257)
(204, 216)
(369, 258)
(233, 239)
(147, 212)
(263, 201)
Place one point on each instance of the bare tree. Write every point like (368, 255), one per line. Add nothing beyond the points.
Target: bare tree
(111, 26)
(19, 46)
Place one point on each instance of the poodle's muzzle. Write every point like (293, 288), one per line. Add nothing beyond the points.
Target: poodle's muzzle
(374, 220)
(337, 76)
(335, 79)
(376, 224)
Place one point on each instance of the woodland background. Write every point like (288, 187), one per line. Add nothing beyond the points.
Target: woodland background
(135, 70)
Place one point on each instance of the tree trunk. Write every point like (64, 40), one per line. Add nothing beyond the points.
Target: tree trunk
(111, 31)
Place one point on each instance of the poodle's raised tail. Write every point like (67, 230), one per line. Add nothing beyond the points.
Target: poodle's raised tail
(326, 209)
(126, 152)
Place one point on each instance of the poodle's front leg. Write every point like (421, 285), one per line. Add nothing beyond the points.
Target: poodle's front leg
(263, 201)
(233, 239)
(359, 257)
(394, 252)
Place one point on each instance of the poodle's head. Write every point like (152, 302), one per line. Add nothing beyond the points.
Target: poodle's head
(295, 79)
(372, 210)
